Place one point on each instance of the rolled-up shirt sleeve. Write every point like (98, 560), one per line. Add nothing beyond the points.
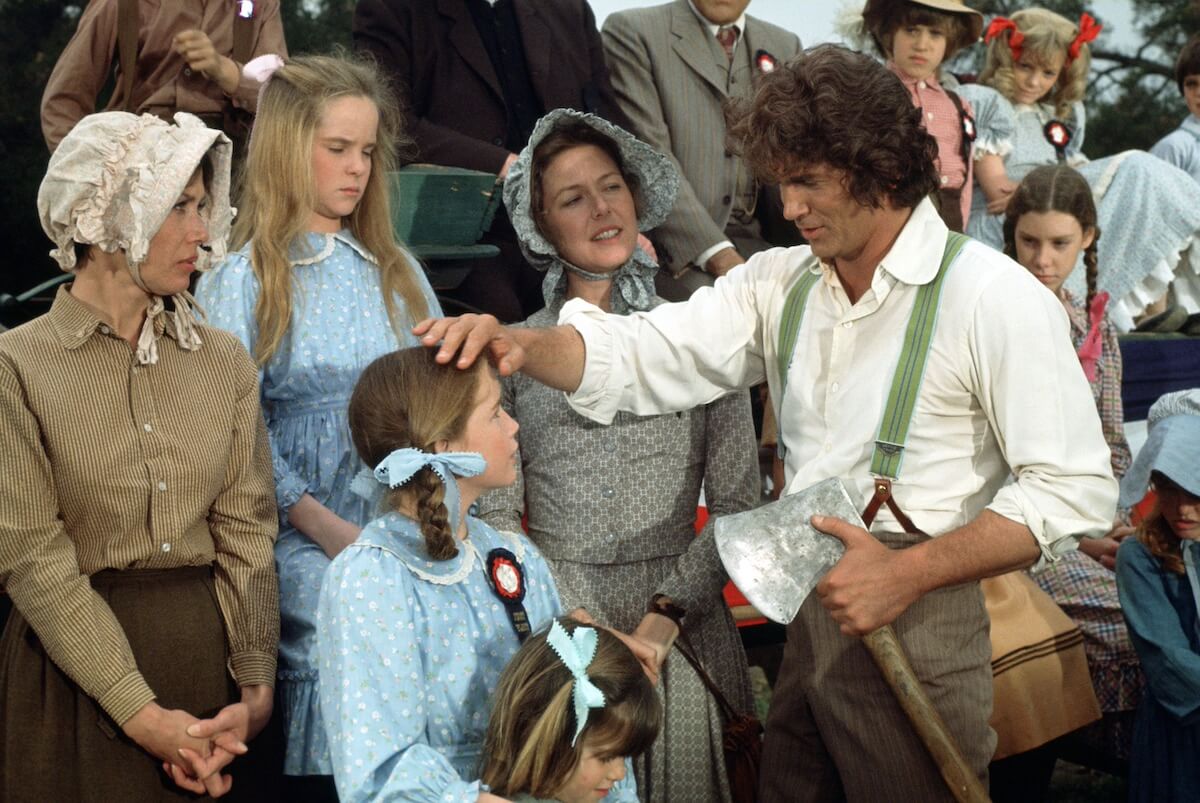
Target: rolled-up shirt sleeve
(1043, 416)
(672, 358)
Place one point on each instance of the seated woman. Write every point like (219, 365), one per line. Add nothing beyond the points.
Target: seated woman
(137, 523)
(418, 617)
(612, 508)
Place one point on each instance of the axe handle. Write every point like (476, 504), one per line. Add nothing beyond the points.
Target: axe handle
(897, 671)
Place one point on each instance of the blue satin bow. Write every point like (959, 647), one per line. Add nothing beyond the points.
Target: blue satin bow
(400, 466)
(576, 650)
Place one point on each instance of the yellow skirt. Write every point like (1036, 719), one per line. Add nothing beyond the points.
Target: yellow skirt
(1040, 678)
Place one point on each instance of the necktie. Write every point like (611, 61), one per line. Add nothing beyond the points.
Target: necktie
(727, 37)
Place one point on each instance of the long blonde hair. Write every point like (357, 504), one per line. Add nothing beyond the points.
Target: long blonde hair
(278, 190)
(528, 744)
(1046, 35)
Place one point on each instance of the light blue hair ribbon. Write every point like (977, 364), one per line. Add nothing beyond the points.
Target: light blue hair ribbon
(400, 466)
(576, 650)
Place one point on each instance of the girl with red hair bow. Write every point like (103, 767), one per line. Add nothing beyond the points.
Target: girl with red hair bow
(1029, 112)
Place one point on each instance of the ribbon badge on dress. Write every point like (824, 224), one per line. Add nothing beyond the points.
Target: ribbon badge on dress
(245, 9)
(1058, 135)
(576, 651)
(765, 61)
(968, 127)
(507, 579)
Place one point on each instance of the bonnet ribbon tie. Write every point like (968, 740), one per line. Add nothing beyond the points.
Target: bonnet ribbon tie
(1016, 39)
(1089, 29)
(399, 467)
(1093, 344)
(576, 650)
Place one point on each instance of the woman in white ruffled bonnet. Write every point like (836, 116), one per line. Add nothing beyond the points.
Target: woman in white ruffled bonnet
(137, 514)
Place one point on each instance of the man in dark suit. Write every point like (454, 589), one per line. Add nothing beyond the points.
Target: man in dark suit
(476, 75)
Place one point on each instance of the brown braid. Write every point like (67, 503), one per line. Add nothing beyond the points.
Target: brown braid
(432, 515)
(405, 399)
(1091, 265)
(1162, 541)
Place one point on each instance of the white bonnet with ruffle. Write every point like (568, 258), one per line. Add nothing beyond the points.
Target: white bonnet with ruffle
(115, 176)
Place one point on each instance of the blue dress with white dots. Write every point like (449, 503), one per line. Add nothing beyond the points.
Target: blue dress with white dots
(411, 651)
(339, 325)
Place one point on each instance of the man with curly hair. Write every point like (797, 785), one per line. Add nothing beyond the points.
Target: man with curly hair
(1001, 397)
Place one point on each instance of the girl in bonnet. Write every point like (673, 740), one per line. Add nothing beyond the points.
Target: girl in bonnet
(612, 508)
(1158, 577)
(137, 523)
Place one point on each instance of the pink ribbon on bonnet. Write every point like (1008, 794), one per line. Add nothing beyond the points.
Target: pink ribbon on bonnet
(1093, 344)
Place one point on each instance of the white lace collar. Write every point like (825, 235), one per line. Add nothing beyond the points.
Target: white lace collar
(399, 536)
(317, 247)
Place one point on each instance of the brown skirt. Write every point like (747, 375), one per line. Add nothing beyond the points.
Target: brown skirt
(57, 744)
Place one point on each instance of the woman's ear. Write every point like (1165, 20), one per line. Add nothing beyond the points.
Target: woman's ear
(441, 446)
(1089, 237)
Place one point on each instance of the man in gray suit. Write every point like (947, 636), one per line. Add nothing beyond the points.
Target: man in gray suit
(672, 67)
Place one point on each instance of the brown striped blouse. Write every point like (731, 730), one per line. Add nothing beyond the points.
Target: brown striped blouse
(109, 464)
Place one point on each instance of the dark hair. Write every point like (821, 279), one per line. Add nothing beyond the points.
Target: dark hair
(528, 744)
(1056, 188)
(566, 135)
(405, 398)
(1188, 62)
(885, 17)
(843, 109)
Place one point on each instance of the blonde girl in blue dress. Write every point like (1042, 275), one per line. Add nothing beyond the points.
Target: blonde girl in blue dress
(318, 289)
(1029, 112)
(572, 706)
(418, 617)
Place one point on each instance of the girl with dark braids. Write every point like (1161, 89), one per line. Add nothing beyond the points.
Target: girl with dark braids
(420, 614)
(1050, 227)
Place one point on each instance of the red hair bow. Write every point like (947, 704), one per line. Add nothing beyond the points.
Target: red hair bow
(1089, 29)
(1015, 40)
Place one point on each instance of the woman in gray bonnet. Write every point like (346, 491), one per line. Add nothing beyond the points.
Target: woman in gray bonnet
(612, 508)
(137, 512)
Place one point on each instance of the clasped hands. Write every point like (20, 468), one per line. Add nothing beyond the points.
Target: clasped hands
(194, 751)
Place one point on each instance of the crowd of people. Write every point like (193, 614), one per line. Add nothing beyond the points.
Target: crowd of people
(299, 536)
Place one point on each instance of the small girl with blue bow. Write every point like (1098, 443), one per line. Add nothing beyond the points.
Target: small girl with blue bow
(571, 708)
(419, 616)
(1158, 577)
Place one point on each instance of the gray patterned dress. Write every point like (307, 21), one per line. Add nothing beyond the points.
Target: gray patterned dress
(612, 509)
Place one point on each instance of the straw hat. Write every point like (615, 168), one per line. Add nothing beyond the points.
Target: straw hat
(877, 13)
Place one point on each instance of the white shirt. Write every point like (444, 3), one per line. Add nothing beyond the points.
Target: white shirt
(1002, 388)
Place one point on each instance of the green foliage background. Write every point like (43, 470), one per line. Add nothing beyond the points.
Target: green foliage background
(1133, 100)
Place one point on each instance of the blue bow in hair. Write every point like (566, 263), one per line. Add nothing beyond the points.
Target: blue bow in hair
(577, 651)
(400, 466)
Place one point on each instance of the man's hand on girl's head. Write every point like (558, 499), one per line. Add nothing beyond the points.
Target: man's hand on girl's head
(468, 336)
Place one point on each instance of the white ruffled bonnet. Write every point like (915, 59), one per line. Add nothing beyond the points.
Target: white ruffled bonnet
(111, 183)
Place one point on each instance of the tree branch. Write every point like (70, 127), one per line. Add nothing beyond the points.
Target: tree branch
(1124, 60)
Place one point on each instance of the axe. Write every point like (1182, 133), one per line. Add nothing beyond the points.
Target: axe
(775, 557)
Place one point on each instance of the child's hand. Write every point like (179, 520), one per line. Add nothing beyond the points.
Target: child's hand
(197, 49)
(998, 199)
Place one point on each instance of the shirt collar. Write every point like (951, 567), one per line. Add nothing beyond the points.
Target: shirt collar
(319, 246)
(1192, 123)
(911, 83)
(739, 23)
(916, 255)
(75, 322)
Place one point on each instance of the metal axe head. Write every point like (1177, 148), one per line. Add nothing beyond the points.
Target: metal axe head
(775, 556)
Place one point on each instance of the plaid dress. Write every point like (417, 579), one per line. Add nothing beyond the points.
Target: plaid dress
(1085, 590)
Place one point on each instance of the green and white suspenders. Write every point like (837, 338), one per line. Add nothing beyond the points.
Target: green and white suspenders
(906, 382)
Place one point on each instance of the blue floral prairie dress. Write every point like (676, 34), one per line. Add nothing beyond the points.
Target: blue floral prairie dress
(339, 325)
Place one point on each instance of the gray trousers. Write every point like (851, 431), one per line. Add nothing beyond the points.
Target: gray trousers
(835, 731)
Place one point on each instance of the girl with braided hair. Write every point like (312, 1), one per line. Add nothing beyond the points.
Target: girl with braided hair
(419, 615)
(1050, 228)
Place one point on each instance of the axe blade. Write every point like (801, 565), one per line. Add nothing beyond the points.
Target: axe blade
(775, 556)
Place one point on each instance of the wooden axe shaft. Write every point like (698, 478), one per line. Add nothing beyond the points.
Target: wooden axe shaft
(897, 671)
